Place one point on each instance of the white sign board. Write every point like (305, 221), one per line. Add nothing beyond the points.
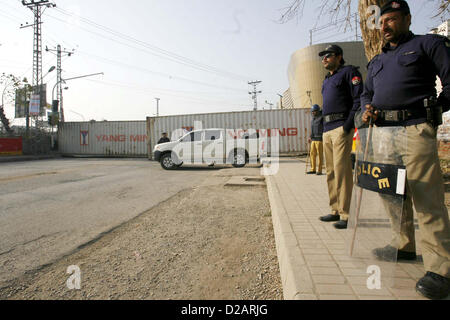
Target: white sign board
(35, 103)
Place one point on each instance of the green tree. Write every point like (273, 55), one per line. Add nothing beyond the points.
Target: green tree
(9, 83)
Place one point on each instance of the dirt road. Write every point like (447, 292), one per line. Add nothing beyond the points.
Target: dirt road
(207, 242)
(49, 208)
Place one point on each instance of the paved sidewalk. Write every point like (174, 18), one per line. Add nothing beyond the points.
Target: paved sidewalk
(313, 255)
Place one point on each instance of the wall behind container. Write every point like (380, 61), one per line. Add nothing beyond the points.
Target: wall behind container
(293, 125)
(111, 138)
(11, 146)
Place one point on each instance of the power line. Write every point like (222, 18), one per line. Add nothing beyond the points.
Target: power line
(152, 93)
(117, 63)
(19, 20)
(162, 74)
(127, 38)
(160, 52)
(325, 29)
(185, 60)
(121, 64)
(125, 44)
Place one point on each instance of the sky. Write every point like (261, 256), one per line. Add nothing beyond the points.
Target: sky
(197, 56)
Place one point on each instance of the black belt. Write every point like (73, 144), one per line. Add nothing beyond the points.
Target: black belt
(334, 117)
(405, 114)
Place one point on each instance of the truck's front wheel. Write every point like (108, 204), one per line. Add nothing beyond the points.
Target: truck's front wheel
(239, 159)
(167, 162)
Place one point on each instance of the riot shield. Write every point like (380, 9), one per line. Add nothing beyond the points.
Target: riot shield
(376, 212)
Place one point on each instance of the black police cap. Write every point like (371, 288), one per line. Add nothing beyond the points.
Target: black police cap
(396, 5)
(332, 49)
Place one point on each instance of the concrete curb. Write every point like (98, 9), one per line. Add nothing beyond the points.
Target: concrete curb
(243, 181)
(295, 276)
(27, 158)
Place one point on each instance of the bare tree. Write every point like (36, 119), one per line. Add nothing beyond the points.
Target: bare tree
(443, 8)
(372, 37)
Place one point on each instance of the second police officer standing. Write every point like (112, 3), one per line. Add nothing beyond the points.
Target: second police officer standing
(316, 140)
(399, 84)
(164, 138)
(341, 92)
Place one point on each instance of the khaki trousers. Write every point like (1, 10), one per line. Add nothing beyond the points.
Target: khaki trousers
(316, 150)
(425, 189)
(337, 145)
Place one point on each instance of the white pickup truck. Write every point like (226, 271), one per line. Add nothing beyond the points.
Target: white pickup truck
(211, 146)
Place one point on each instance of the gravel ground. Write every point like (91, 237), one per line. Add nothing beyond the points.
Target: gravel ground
(209, 242)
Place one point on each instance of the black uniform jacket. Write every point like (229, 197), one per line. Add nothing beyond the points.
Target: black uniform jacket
(402, 77)
(341, 94)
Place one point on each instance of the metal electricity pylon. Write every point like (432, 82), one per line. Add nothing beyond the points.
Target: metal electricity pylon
(36, 6)
(255, 94)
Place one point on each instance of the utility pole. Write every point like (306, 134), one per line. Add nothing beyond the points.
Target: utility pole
(255, 94)
(157, 106)
(59, 89)
(36, 6)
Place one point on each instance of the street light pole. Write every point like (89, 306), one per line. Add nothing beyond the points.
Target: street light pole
(281, 100)
(53, 90)
(157, 106)
(49, 70)
(64, 81)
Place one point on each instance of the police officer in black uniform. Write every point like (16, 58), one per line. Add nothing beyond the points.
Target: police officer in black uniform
(341, 92)
(316, 140)
(400, 91)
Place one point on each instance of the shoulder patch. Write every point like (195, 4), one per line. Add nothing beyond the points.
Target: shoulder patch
(356, 80)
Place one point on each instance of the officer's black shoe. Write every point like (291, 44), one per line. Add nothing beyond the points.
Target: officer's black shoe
(330, 217)
(341, 224)
(311, 172)
(319, 173)
(389, 253)
(433, 286)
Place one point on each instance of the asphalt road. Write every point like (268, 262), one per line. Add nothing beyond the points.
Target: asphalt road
(50, 208)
